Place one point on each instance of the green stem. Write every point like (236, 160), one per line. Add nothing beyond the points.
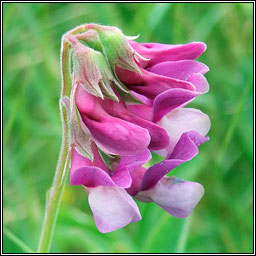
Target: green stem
(56, 192)
(61, 172)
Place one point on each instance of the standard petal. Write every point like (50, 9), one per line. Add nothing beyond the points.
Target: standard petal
(112, 208)
(185, 150)
(182, 120)
(158, 53)
(170, 100)
(176, 196)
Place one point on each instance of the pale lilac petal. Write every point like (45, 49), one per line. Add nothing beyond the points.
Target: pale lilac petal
(158, 53)
(122, 176)
(176, 196)
(200, 82)
(185, 150)
(182, 120)
(181, 70)
(170, 100)
(112, 208)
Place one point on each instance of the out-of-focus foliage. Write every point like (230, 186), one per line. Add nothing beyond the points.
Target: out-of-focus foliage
(223, 220)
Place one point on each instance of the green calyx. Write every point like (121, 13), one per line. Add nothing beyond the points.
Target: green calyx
(97, 51)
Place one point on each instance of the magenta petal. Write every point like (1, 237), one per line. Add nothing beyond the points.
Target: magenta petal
(127, 164)
(112, 135)
(90, 177)
(116, 136)
(158, 53)
(150, 84)
(159, 138)
(143, 111)
(112, 208)
(184, 151)
(176, 196)
(169, 100)
(154, 84)
(78, 161)
(181, 70)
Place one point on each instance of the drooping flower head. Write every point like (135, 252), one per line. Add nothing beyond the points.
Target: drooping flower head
(127, 100)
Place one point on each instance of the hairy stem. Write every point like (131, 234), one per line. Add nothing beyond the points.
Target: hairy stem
(61, 172)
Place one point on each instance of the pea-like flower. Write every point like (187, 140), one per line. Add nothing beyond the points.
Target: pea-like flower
(127, 100)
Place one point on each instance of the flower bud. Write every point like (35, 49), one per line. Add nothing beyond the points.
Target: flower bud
(92, 71)
(116, 47)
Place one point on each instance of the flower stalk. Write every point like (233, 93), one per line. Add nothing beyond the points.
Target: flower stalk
(56, 191)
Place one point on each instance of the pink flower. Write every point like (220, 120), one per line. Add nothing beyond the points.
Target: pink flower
(128, 99)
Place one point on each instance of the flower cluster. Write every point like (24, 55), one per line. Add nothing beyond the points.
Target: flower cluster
(127, 100)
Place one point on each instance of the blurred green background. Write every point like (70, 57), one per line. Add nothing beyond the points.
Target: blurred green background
(223, 220)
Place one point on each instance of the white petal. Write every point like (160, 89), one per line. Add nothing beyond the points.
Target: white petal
(183, 120)
(177, 197)
(112, 208)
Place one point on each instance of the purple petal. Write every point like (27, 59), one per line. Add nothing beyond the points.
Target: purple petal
(127, 164)
(181, 70)
(176, 196)
(131, 162)
(112, 208)
(200, 82)
(184, 151)
(158, 53)
(137, 176)
(182, 120)
(169, 100)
